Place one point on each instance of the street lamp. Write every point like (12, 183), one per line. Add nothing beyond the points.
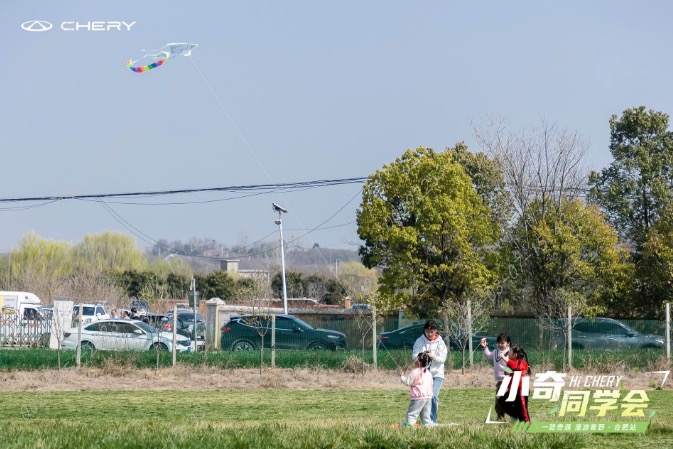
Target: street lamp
(279, 222)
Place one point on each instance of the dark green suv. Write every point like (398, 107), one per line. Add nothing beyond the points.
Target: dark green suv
(243, 333)
(185, 325)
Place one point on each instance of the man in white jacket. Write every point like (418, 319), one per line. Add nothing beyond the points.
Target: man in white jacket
(432, 343)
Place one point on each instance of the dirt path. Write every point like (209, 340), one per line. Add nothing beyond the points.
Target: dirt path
(203, 379)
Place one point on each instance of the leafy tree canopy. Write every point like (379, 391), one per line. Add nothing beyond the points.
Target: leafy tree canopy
(639, 182)
(573, 254)
(428, 229)
(655, 268)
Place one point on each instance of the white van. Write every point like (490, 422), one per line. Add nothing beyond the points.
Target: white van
(24, 305)
(90, 313)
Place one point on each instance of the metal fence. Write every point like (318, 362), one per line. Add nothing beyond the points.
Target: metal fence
(363, 329)
(531, 333)
(16, 332)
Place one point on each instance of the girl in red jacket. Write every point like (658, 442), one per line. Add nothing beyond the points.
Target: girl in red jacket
(518, 408)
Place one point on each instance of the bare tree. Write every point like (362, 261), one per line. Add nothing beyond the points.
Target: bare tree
(44, 287)
(462, 320)
(260, 318)
(364, 318)
(540, 164)
(91, 285)
(553, 315)
(544, 168)
(315, 290)
(61, 321)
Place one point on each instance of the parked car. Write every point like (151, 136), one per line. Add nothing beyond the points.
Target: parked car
(153, 319)
(361, 307)
(123, 334)
(90, 313)
(405, 337)
(185, 324)
(46, 312)
(609, 334)
(242, 333)
(141, 305)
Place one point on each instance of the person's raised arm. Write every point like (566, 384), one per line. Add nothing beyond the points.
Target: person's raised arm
(488, 355)
(409, 379)
(439, 356)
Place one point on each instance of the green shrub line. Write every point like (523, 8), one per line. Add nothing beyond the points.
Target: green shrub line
(353, 361)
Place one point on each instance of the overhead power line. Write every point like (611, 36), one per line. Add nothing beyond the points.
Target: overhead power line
(244, 188)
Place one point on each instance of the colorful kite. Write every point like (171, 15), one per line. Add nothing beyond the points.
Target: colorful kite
(162, 55)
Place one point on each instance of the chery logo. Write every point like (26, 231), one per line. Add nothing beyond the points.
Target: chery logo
(36, 25)
(73, 25)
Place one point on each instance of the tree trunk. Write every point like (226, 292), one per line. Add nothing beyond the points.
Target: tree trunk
(261, 356)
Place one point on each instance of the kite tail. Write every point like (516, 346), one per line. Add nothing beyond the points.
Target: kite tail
(142, 69)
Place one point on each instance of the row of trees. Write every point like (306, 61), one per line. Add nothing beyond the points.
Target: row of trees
(109, 267)
(524, 224)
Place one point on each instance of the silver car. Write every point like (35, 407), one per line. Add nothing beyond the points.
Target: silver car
(123, 334)
(610, 334)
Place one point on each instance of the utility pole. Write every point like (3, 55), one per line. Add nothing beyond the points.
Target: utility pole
(279, 222)
(194, 300)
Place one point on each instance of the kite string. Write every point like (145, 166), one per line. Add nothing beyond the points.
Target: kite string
(245, 141)
(231, 120)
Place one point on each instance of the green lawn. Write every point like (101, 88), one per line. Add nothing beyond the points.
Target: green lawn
(597, 361)
(282, 419)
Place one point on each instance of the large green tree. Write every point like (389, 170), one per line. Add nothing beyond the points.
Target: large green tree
(218, 284)
(294, 284)
(431, 233)
(655, 267)
(36, 256)
(574, 259)
(639, 182)
(109, 251)
(488, 179)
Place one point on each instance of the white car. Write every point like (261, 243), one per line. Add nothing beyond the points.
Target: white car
(90, 312)
(123, 334)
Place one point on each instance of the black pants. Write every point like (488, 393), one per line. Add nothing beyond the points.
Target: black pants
(518, 408)
(498, 408)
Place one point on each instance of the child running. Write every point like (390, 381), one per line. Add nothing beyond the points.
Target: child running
(499, 363)
(518, 408)
(420, 381)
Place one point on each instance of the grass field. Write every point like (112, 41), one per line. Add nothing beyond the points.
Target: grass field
(282, 419)
(597, 361)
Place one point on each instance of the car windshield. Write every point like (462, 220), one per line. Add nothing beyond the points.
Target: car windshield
(302, 323)
(188, 316)
(86, 310)
(139, 303)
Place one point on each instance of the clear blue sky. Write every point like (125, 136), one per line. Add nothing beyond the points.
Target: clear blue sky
(293, 91)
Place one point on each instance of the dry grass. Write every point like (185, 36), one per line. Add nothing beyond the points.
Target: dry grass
(112, 377)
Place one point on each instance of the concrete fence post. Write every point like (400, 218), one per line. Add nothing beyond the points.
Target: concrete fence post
(213, 323)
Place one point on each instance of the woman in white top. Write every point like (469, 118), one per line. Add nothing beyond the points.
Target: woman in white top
(432, 344)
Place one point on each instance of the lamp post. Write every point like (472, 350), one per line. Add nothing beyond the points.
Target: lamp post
(279, 222)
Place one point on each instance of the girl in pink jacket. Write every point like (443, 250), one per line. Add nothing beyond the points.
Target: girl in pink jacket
(420, 381)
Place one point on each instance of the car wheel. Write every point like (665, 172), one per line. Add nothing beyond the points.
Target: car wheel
(578, 346)
(317, 345)
(242, 345)
(159, 347)
(88, 346)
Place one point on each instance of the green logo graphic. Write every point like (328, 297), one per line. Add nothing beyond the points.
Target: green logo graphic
(581, 427)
